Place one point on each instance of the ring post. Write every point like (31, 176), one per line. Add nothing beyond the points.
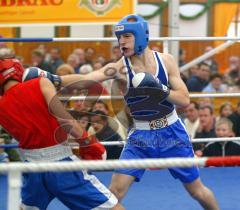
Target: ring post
(14, 187)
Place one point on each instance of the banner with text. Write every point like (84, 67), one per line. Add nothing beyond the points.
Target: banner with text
(62, 12)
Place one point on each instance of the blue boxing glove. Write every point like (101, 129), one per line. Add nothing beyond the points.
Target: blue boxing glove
(147, 80)
(34, 72)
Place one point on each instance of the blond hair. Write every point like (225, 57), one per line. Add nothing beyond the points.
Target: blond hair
(225, 121)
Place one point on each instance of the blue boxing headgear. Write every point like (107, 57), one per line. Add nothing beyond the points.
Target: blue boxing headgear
(139, 28)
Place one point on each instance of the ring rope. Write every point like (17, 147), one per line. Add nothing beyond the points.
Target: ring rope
(110, 39)
(194, 95)
(118, 164)
(121, 143)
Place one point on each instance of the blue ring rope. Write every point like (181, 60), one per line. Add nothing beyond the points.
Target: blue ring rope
(9, 146)
(26, 39)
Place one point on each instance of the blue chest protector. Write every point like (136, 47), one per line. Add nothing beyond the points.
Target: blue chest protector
(147, 106)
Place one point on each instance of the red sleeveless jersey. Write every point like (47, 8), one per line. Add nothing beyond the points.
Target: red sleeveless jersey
(24, 115)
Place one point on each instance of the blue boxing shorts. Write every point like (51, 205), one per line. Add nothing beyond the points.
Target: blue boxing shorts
(76, 190)
(167, 142)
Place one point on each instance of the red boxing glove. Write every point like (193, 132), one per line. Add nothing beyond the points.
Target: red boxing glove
(90, 148)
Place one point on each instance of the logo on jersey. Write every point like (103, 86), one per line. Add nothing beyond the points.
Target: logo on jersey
(100, 7)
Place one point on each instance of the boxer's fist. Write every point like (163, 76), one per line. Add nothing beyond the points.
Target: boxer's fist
(34, 72)
(145, 79)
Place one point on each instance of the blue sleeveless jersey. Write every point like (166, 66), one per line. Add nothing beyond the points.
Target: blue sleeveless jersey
(147, 107)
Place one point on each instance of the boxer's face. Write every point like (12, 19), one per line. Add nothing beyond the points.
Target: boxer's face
(126, 42)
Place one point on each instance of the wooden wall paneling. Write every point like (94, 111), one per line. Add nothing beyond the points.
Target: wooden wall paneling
(193, 48)
(223, 57)
(164, 22)
(62, 31)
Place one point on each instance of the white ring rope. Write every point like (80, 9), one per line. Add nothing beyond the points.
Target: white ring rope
(122, 143)
(101, 164)
(197, 140)
(110, 39)
(213, 95)
(193, 95)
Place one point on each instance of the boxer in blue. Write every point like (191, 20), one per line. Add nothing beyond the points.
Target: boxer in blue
(153, 87)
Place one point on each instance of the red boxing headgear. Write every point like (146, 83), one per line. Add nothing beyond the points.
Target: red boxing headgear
(10, 68)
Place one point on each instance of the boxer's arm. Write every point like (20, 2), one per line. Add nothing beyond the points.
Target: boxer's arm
(109, 71)
(56, 108)
(178, 94)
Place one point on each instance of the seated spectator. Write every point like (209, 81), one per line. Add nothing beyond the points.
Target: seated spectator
(89, 55)
(114, 122)
(116, 54)
(64, 69)
(84, 121)
(193, 71)
(182, 57)
(226, 148)
(85, 69)
(225, 110)
(55, 59)
(210, 61)
(206, 127)
(215, 84)
(104, 132)
(235, 88)
(44, 51)
(192, 119)
(79, 52)
(38, 60)
(73, 61)
(235, 118)
(97, 65)
(233, 71)
(199, 81)
(101, 59)
(101, 106)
